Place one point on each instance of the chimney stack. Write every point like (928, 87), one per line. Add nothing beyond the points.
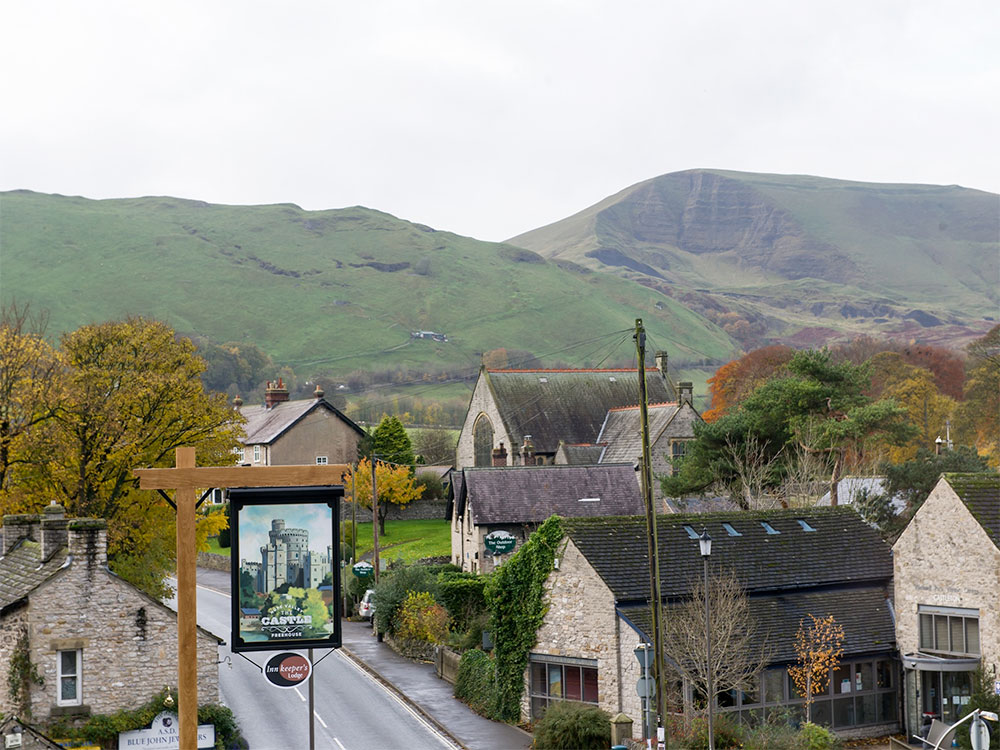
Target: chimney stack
(319, 393)
(275, 393)
(54, 534)
(661, 364)
(500, 456)
(685, 391)
(88, 541)
(17, 527)
(528, 452)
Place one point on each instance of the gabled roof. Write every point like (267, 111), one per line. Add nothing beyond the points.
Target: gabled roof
(980, 493)
(265, 425)
(862, 612)
(622, 430)
(567, 405)
(22, 570)
(530, 494)
(843, 550)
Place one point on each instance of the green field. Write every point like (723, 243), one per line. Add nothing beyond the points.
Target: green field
(408, 541)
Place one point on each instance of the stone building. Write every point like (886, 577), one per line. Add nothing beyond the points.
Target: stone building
(791, 563)
(947, 583)
(300, 432)
(98, 643)
(516, 499)
(524, 415)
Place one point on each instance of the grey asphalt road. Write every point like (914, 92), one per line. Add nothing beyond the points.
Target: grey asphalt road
(352, 710)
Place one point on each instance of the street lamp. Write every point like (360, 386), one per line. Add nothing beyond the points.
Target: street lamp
(705, 542)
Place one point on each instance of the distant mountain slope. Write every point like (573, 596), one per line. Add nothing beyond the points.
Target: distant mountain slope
(796, 258)
(342, 288)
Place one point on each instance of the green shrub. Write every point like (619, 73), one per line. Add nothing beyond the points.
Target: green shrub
(567, 725)
(983, 697)
(430, 484)
(727, 733)
(463, 596)
(476, 682)
(771, 737)
(814, 737)
(422, 619)
(391, 591)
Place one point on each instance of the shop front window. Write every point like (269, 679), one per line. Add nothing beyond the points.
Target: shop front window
(554, 680)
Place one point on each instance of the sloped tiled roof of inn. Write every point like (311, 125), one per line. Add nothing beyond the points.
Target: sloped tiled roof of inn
(568, 405)
(862, 612)
(526, 494)
(841, 549)
(622, 430)
(22, 570)
(266, 424)
(981, 495)
(579, 454)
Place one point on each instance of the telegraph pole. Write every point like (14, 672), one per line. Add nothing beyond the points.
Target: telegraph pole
(652, 543)
(374, 519)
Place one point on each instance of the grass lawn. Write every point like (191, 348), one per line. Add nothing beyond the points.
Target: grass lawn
(407, 540)
(213, 546)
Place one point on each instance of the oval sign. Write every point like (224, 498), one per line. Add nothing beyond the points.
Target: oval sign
(363, 570)
(500, 542)
(287, 670)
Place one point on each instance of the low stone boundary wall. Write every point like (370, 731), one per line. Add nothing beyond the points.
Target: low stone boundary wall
(213, 561)
(446, 662)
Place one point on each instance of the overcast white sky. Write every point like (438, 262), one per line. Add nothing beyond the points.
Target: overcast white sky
(488, 118)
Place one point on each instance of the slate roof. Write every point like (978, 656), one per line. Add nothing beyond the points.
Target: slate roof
(622, 430)
(862, 612)
(981, 495)
(566, 405)
(843, 550)
(265, 425)
(530, 494)
(582, 454)
(21, 571)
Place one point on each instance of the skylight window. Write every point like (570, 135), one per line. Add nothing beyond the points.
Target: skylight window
(613, 379)
(589, 500)
(730, 530)
(543, 380)
(691, 532)
(769, 528)
(805, 525)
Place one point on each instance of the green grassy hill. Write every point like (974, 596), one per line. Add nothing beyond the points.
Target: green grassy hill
(797, 257)
(340, 290)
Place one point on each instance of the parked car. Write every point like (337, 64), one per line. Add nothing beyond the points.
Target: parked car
(367, 606)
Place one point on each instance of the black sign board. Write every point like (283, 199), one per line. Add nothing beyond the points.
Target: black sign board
(285, 560)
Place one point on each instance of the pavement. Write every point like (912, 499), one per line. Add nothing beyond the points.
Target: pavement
(418, 684)
(415, 683)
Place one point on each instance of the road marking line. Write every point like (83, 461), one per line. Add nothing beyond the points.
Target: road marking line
(316, 714)
(339, 743)
(299, 694)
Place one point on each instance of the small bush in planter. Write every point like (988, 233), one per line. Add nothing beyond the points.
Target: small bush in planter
(573, 726)
(815, 737)
(726, 730)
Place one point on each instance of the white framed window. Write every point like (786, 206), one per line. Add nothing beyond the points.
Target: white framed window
(240, 454)
(321, 461)
(68, 678)
(256, 454)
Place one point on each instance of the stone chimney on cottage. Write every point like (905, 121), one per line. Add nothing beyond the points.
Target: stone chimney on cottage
(527, 452)
(319, 392)
(18, 527)
(54, 530)
(500, 456)
(661, 364)
(275, 393)
(685, 392)
(88, 541)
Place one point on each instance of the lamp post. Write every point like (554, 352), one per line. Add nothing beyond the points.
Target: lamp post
(705, 542)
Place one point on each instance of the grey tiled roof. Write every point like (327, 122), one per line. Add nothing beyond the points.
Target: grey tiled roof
(21, 571)
(265, 425)
(523, 494)
(843, 550)
(862, 612)
(582, 454)
(566, 405)
(981, 495)
(622, 430)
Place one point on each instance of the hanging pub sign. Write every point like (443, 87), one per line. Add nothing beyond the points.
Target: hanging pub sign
(500, 542)
(285, 559)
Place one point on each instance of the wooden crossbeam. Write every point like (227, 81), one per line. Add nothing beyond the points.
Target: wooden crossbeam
(241, 476)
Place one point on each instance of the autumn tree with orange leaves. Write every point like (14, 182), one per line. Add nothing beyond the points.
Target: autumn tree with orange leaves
(394, 485)
(818, 648)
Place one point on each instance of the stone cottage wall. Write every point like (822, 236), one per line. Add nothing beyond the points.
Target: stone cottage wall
(945, 558)
(129, 640)
(581, 622)
(319, 433)
(11, 626)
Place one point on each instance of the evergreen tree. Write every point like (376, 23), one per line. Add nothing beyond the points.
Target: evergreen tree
(391, 443)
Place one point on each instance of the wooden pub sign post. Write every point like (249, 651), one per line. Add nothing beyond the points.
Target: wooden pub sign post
(186, 479)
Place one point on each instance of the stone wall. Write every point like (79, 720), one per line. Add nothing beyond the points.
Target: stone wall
(12, 625)
(420, 510)
(214, 561)
(581, 623)
(319, 433)
(481, 403)
(128, 640)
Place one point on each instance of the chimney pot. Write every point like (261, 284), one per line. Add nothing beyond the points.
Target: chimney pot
(275, 393)
(500, 456)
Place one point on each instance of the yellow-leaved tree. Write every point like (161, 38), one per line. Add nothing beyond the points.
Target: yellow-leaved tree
(818, 648)
(394, 485)
(129, 393)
